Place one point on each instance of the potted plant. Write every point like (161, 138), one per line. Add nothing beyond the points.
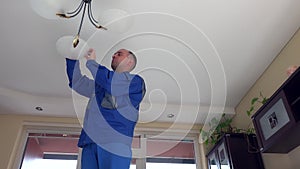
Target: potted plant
(217, 128)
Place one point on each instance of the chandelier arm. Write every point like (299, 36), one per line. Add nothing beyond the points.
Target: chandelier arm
(90, 13)
(91, 19)
(77, 9)
(95, 24)
(76, 12)
(81, 20)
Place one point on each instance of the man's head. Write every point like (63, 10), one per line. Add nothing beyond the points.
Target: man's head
(123, 61)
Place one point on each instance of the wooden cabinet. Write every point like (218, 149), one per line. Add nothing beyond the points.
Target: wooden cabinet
(235, 151)
(277, 122)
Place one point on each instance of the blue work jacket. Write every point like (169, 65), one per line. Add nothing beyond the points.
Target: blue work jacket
(114, 99)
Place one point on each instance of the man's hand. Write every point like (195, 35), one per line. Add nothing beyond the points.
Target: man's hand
(91, 54)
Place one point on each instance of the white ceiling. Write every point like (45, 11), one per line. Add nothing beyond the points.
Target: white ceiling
(196, 56)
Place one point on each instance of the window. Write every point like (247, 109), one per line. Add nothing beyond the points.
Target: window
(164, 153)
(57, 148)
(44, 150)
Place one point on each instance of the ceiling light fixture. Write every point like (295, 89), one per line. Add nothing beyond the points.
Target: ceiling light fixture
(84, 4)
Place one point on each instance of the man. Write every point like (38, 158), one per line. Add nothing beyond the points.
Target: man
(112, 111)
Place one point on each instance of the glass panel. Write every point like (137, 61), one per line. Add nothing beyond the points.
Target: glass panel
(51, 164)
(45, 151)
(169, 166)
(133, 164)
(224, 161)
(136, 141)
(166, 154)
(212, 161)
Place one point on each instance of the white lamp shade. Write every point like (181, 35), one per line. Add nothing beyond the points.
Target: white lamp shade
(46, 8)
(116, 20)
(64, 47)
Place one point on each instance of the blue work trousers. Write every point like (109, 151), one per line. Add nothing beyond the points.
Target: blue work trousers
(108, 156)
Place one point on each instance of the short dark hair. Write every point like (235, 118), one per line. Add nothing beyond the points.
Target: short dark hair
(134, 59)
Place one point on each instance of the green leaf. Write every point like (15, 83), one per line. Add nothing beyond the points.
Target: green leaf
(254, 100)
(230, 120)
(250, 110)
(264, 100)
(214, 121)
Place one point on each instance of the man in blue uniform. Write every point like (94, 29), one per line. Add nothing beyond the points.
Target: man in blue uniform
(112, 111)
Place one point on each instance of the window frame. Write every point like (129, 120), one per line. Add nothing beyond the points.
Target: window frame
(65, 128)
(39, 127)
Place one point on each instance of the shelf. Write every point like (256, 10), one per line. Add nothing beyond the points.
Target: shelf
(235, 151)
(277, 122)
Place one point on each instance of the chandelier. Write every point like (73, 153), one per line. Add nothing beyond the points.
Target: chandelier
(83, 5)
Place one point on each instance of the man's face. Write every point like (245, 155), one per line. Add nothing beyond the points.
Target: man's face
(118, 57)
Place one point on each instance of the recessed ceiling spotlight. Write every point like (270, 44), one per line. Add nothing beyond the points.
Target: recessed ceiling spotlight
(170, 115)
(39, 108)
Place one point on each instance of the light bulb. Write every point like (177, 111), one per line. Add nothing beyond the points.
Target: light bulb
(65, 48)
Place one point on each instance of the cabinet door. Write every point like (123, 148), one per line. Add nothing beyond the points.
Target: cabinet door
(223, 157)
(213, 161)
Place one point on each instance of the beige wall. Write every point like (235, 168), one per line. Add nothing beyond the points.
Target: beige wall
(268, 83)
(10, 129)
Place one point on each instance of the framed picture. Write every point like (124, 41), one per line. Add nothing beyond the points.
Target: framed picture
(223, 157)
(273, 119)
(212, 161)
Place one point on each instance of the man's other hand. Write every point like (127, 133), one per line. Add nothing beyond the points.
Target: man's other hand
(91, 54)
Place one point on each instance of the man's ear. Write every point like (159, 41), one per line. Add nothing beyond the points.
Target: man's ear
(130, 63)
